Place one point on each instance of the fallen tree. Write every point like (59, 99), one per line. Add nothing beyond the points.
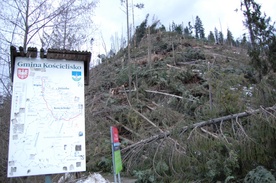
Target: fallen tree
(184, 129)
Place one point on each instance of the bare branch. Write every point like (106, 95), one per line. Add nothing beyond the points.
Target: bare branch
(162, 93)
(209, 133)
(20, 11)
(38, 8)
(4, 85)
(171, 95)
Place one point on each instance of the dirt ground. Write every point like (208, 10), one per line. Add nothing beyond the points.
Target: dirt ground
(110, 177)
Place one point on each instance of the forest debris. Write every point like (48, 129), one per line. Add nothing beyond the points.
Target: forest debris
(189, 63)
(120, 90)
(167, 94)
(199, 125)
(145, 118)
(146, 141)
(120, 124)
(144, 60)
(228, 117)
(192, 98)
(179, 68)
(153, 124)
(151, 108)
(209, 133)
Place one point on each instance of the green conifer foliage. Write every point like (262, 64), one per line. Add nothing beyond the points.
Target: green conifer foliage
(259, 175)
(262, 34)
(199, 30)
(230, 38)
(211, 37)
(141, 29)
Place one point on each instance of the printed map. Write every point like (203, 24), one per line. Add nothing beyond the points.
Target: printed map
(47, 130)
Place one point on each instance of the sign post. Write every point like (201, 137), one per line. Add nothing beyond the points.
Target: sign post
(48, 179)
(47, 125)
(116, 154)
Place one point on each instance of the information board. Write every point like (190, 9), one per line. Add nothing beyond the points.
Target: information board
(47, 126)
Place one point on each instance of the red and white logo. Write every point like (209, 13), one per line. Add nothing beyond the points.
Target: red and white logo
(22, 73)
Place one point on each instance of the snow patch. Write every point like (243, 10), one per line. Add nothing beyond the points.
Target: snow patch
(94, 178)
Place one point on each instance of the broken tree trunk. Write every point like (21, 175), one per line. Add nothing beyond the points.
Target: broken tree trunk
(171, 95)
(162, 93)
(198, 125)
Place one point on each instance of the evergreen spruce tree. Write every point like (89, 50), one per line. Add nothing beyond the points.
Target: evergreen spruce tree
(221, 38)
(162, 28)
(244, 41)
(202, 33)
(173, 26)
(262, 48)
(229, 39)
(141, 29)
(211, 37)
(199, 30)
(190, 28)
(262, 36)
(177, 28)
(237, 43)
(186, 31)
(272, 54)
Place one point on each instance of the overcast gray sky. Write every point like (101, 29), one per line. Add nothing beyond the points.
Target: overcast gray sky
(110, 18)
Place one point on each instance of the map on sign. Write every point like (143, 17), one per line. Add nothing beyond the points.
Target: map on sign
(47, 129)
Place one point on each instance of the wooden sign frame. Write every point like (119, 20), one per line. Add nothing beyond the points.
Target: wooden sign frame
(53, 54)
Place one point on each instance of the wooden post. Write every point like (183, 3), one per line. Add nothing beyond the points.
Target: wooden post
(48, 179)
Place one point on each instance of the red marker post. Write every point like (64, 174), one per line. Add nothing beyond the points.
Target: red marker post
(116, 154)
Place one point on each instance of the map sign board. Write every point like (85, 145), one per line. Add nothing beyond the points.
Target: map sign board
(47, 128)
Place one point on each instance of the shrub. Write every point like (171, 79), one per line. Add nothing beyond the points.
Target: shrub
(194, 54)
(259, 175)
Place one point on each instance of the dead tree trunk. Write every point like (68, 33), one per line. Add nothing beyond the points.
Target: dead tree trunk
(198, 125)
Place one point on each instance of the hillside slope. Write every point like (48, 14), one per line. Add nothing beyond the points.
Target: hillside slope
(179, 82)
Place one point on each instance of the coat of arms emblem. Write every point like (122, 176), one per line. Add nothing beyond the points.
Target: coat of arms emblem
(76, 75)
(22, 73)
